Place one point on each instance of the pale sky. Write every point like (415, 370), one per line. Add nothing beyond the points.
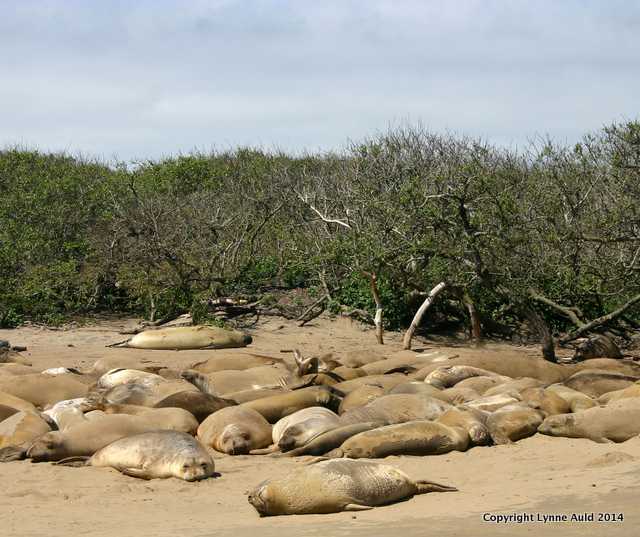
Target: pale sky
(149, 78)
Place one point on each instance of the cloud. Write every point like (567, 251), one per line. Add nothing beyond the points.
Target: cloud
(156, 77)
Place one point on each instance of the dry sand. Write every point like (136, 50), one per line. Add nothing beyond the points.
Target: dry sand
(537, 476)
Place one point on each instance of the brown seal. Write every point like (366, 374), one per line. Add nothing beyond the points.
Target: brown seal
(235, 430)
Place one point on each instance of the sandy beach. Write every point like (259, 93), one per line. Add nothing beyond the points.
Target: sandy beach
(531, 480)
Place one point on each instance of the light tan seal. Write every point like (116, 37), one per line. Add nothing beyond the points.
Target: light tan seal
(21, 427)
(449, 375)
(235, 430)
(43, 390)
(360, 397)
(200, 404)
(617, 422)
(471, 420)
(276, 407)
(187, 337)
(595, 382)
(420, 437)
(238, 362)
(512, 423)
(299, 428)
(577, 400)
(337, 485)
(397, 408)
(156, 455)
(631, 391)
(547, 402)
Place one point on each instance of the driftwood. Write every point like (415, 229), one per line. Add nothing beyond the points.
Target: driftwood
(309, 315)
(408, 336)
(377, 320)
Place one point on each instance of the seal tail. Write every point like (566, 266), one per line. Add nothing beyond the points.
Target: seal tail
(76, 462)
(424, 487)
(13, 453)
(119, 343)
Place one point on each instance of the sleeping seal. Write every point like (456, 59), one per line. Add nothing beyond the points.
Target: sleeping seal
(187, 337)
(155, 455)
(235, 430)
(337, 485)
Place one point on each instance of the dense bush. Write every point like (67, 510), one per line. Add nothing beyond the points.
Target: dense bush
(511, 231)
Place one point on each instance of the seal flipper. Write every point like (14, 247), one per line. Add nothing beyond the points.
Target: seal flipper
(124, 343)
(76, 462)
(357, 507)
(137, 472)
(424, 486)
(13, 453)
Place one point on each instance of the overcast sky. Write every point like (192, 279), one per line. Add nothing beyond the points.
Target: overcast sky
(149, 78)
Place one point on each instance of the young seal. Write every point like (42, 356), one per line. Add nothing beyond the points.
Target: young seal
(299, 428)
(595, 382)
(43, 390)
(21, 427)
(547, 402)
(631, 391)
(491, 403)
(360, 397)
(235, 430)
(200, 404)
(155, 455)
(597, 346)
(420, 437)
(515, 385)
(471, 420)
(512, 423)
(227, 382)
(334, 486)
(479, 384)
(397, 408)
(449, 375)
(116, 377)
(239, 362)
(617, 422)
(187, 337)
(418, 387)
(16, 402)
(576, 400)
(276, 407)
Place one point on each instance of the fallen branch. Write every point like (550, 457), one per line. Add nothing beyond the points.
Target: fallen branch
(417, 318)
(600, 321)
(304, 319)
(564, 310)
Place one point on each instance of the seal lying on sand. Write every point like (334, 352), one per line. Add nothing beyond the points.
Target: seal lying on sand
(200, 404)
(299, 428)
(187, 337)
(450, 375)
(43, 390)
(235, 430)
(411, 438)
(617, 422)
(334, 486)
(397, 408)
(21, 427)
(154, 455)
(276, 407)
(512, 423)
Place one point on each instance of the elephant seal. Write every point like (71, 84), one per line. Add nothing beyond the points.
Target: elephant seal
(231, 381)
(337, 485)
(491, 403)
(631, 391)
(457, 396)
(415, 386)
(595, 382)
(361, 396)
(239, 362)
(175, 419)
(386, 381)
(547, 402)
(108, 363)
(627, 367)
(245, 396)
(512, 423)
(411, 361)
(449, 375)
(156, 455)
(200, 404)
(10, 356)
(419, 437)
(43, 390)
(187, 337)
(597, 346)
(299, 428)
(21, 427)
(469, 419)
(277, 407)
(329, 440)
(617, 422)
(7, 399)
(577, 400)
(235, 430)
(514, 385)
(479, 384)
(349, 373)
(514, 367)
(397, 408)
(116, 377)
(358, 357)
(7, 411)
(134, 393)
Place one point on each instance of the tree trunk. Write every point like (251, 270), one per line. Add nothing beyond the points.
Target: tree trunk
(536, 320)
(377, 320)
(474, 318)
(418, 316)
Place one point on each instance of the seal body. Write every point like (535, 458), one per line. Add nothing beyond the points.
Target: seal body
(336, 485)
(298, 428)
(617, 422)
(276, 407)
(360, 397)
(411, 438)
(397, 408)
(512, 423)
(235, 430)
(188, 337)
(200, 404)
(43, 390)
(595, 382)
(448, 376)
(158, 454)
(21, 427)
